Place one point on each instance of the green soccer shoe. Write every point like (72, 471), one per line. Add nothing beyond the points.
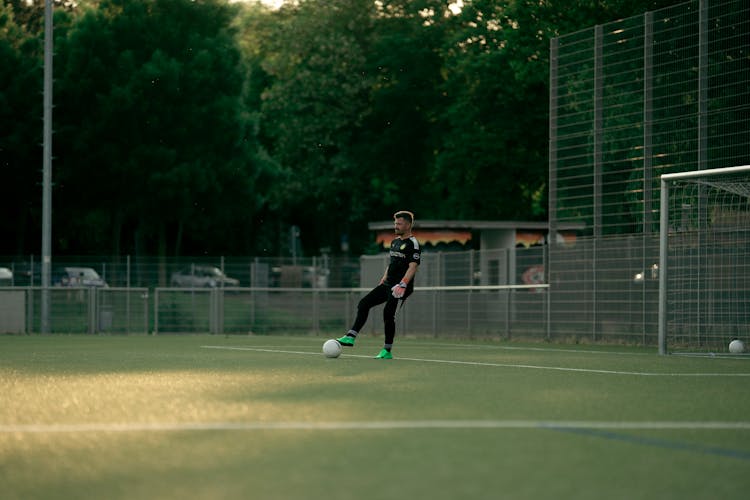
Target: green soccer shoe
(347, 341)
(384, 354)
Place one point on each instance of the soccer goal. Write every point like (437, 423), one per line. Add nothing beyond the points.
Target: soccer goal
(704, 260)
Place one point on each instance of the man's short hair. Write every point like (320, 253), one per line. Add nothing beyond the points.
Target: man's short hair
(404, 214)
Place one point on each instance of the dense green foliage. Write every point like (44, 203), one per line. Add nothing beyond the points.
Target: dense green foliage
(187, 127)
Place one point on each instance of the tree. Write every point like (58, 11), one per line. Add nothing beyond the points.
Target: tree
(497, 64)
(154, 139)
(316, 99)
(395, 146)
(197, 126)
(20, 132)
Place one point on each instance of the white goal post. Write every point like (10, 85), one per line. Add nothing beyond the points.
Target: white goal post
(704, 259)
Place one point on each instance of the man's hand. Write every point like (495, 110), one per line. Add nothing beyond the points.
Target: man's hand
(399, 290)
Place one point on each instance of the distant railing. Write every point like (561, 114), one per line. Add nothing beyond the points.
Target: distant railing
(76, 310)
(506, 266)
(477, 311)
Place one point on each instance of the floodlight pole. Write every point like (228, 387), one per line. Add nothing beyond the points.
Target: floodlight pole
(47, 169)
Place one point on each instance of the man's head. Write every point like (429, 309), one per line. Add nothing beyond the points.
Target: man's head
(402, 222)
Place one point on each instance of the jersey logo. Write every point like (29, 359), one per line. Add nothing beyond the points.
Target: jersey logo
(416, 256)
(403, 246)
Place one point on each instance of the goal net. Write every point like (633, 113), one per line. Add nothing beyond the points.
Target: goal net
(704, 260)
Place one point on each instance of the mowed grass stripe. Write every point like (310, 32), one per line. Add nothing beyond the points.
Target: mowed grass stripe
(123, 417)
(371, 425)
(500, 365)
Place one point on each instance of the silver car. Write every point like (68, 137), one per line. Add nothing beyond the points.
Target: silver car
(6, 276)
(80, 276)
(202, 277)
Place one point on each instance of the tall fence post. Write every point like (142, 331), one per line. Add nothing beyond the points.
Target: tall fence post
(316, 310)
(156, 311)
(91, 299)
(554, 62)
(127, 295)
(145, 311)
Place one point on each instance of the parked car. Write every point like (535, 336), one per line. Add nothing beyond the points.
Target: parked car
(202, 277)
(78, 276)
(299, 277)
(6, 277)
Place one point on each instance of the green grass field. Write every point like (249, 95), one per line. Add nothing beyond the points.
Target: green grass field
(268, 417)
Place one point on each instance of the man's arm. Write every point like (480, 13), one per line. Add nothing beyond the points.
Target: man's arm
(410, 272)
(399, 290)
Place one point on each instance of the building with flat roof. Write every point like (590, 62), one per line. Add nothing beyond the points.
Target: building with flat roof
(476, 234)
(473, 252)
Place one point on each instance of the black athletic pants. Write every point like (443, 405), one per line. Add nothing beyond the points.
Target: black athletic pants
(378, 295)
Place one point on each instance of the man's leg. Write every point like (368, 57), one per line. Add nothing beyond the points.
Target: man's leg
(377, 296)
(389, 322)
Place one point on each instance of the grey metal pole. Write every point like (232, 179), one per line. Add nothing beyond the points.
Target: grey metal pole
(598, 130)
(598, 170)
(702, 85)
(648, 116)
(663, 237)
(552, 185)
(647, 236)
(47, 169)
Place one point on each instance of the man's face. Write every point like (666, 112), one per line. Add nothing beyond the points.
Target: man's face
(401, 226)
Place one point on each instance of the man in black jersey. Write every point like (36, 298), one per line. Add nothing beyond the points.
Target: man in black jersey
(396, 284)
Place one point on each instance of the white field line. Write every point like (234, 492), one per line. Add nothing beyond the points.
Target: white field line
(368, 425)
(500, 365)
(529, 348)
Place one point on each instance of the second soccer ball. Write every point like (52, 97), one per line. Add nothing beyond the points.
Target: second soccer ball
(736, 346)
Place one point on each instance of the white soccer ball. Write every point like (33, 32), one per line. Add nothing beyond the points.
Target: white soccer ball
(736, 346)
(332, 348)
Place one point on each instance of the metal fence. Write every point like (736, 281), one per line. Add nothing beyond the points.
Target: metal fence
(436, 311)
(472, 293)
(460, 268)
(629, 101)
(643, 96)
(76, 310)
(497, 312)
(149, 272)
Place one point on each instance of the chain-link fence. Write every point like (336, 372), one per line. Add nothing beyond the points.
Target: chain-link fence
(460, 268)
(431, 311)
(629, 101)
(85, 309)
(497, 312)
(459, 294)
(149, 272)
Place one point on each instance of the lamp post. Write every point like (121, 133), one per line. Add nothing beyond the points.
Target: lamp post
(47, 168)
